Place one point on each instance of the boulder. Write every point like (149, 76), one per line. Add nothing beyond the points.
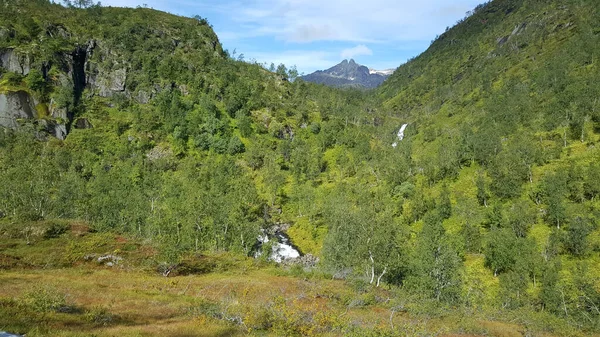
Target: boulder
(83, 123)
(6, 33)
(54, 128)
(143, 97)
(110, 84)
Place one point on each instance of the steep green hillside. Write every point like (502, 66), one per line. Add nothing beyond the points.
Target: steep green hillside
(153, 112)
(136, 122)
(503, 122)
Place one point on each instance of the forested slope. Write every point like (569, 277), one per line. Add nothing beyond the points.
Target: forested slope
(139, 123)
(154, 113)
(503, 126)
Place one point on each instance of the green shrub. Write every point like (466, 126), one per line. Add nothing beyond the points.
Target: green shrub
(55, 229)
(35, 81)
(45, 300)
(196, 265)
(13, 78)
(206, 308)
(100, 316)
(235, 146)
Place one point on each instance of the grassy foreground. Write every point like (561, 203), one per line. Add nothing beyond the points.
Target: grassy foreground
(52, 284)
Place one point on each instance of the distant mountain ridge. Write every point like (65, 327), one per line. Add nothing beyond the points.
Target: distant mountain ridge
(349, 74)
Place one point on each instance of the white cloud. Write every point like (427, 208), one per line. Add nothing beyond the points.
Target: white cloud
(351, 20)
(277, 30)
(312, 32)
(332, 20)
(356, 51)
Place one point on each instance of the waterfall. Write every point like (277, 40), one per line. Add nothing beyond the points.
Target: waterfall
(281, 249)
(400, 135)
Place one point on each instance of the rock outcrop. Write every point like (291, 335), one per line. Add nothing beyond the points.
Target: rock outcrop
(84, 64)
(11, 60)
(14, 106)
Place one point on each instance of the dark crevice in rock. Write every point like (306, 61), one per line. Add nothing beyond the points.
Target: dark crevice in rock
(79, 60)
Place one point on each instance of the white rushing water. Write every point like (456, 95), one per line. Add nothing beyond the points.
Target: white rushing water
(6, 334)
(400, 134)
(281, 249)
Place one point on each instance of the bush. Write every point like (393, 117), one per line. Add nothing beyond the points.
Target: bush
(55, 229)
(35, 81)
(206, 308)
(13, 78)
(235, 146)
(99, 316)
(196, 265)
(258, 318)
(44, 300)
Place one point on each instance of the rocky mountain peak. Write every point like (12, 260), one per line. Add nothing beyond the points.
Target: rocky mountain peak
(348, 74)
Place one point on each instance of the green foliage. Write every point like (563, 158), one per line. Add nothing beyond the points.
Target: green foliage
(437, 269)
(501, 250)
(99, 316)
(35, 81)
(554, 191)
(44, 300)
(576, 239)
(235, 146)
(56, 229)
(201, 151)
(13, 78)
(550, 294)
(445, 206)
(482, 194)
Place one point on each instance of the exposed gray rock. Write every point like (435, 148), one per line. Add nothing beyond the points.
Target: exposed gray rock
(60, 115)
(13, 61)
(83, 123)
(57, 112)
(307, 261)
(519, 29)
(143, 97)
(348, 74)
(54, 128)
(502, 40)
(16, 105)
(109, 260)
(57, 30)
(118, 80)
(184, 90)
(159, 152)
(60, 131)
(6, 33)
(110, 83)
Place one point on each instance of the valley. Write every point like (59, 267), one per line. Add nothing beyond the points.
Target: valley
(152, 183)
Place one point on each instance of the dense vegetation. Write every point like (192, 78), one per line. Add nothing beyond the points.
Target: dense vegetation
(490, 202)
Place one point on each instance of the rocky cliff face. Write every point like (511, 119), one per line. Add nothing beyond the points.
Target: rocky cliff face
(14, 106)
(13, 61)
(95, 62)
(81, 71)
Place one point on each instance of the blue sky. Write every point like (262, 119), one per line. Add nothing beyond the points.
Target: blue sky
(317, 34)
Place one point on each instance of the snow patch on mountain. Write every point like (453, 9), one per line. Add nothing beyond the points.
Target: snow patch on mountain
(386, 72)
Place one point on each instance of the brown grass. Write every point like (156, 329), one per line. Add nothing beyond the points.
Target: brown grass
(243, 298)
